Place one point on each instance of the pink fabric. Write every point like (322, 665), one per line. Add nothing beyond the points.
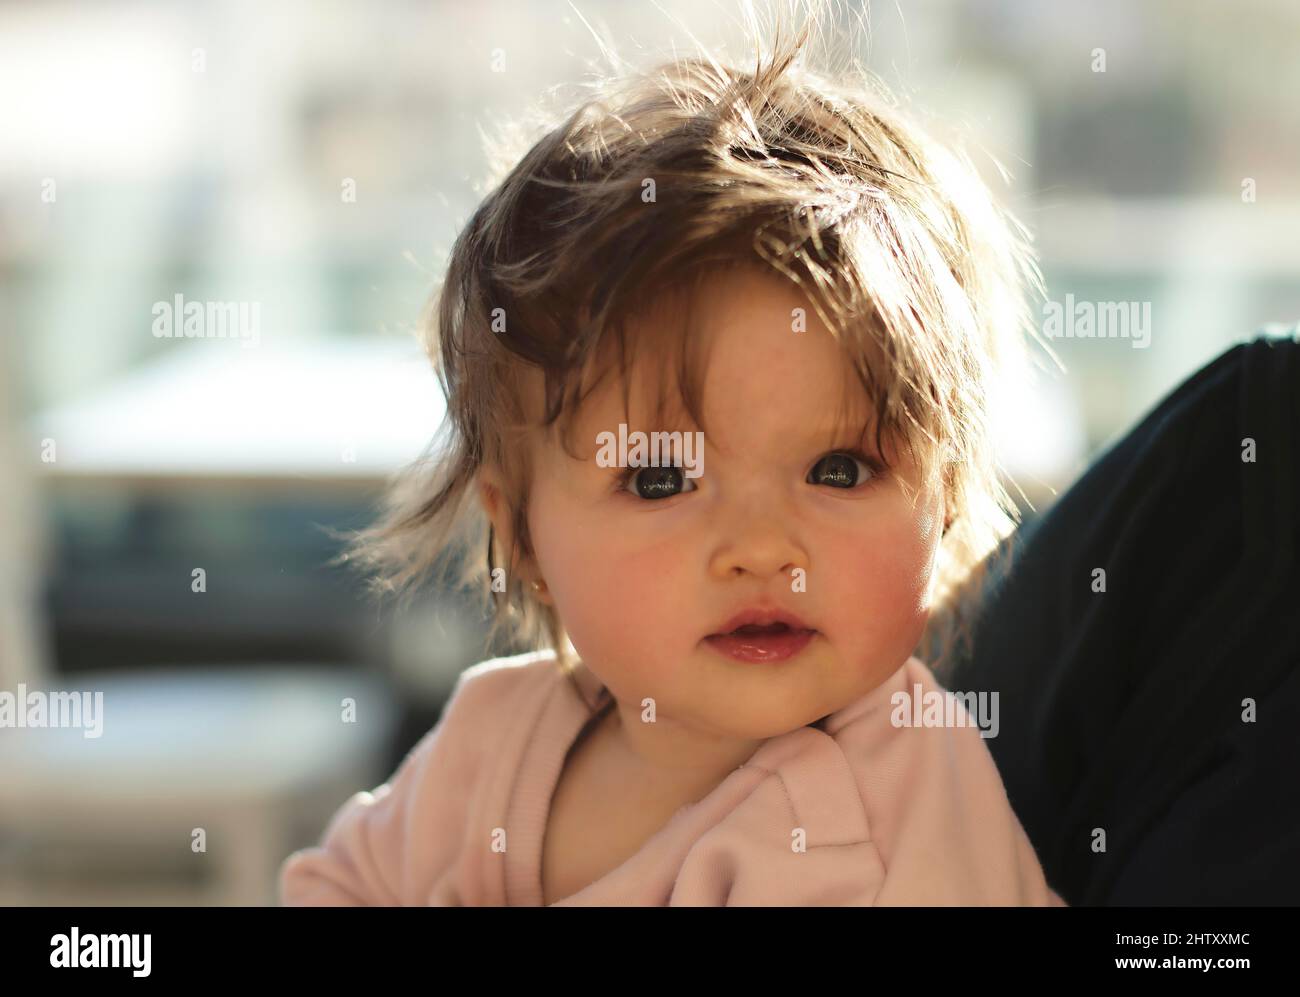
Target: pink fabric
(891, 815)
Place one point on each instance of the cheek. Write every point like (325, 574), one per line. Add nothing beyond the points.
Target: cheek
(617, 594)
(882, 575)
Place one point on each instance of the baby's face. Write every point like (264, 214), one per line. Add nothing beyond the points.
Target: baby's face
(640, 583)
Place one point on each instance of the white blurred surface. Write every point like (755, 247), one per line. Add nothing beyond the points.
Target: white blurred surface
(333, 408)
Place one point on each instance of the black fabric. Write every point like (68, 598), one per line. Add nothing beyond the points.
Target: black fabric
(1123, 710)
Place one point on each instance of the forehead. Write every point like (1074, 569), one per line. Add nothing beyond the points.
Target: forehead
(770, 372)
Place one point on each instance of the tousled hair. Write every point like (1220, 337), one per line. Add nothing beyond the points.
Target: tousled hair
(655, 182)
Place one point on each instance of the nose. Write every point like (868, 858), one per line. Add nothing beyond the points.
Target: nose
(757, 539)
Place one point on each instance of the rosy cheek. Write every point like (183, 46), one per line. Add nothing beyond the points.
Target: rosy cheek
(607, 593)
(630, 587)
(881, 598)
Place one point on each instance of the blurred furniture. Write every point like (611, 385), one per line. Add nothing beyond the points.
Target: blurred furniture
(235, 763)
(171, 463)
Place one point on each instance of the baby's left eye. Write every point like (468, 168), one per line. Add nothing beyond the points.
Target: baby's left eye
(841, 470)
(655, 483)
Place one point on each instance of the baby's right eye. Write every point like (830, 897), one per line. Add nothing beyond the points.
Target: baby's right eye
(653, 483)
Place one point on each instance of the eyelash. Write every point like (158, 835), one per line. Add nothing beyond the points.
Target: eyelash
(876, 466)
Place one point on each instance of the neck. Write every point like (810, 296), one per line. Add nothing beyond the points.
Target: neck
(671, 758)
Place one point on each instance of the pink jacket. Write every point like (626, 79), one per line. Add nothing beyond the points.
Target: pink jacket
(892, 815)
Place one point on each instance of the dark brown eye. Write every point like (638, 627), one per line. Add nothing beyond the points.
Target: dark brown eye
(840, 470)
(657, 482)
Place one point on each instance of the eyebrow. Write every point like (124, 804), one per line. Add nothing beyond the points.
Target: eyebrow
(835, 430)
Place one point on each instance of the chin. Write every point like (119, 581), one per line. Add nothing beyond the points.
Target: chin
(763, 725)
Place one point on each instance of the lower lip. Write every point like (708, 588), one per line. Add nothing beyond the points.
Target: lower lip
(778, 646)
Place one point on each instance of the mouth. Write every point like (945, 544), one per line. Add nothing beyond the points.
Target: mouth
(778, 639)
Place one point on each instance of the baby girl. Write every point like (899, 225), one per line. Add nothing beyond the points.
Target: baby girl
(802, 301)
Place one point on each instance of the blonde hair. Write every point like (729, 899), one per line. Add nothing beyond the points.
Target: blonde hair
(892, 238)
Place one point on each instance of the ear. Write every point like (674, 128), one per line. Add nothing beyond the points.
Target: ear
(492, 496)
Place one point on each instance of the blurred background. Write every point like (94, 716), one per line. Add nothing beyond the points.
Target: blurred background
(166, 500)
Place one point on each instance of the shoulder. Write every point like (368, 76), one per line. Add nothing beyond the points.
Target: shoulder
(485, 698)
(910, 701)
(894, 798)
(532, 671)
(912, 740)
(920, 752)
(935, 802)
(500, 689)
(390, 844)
